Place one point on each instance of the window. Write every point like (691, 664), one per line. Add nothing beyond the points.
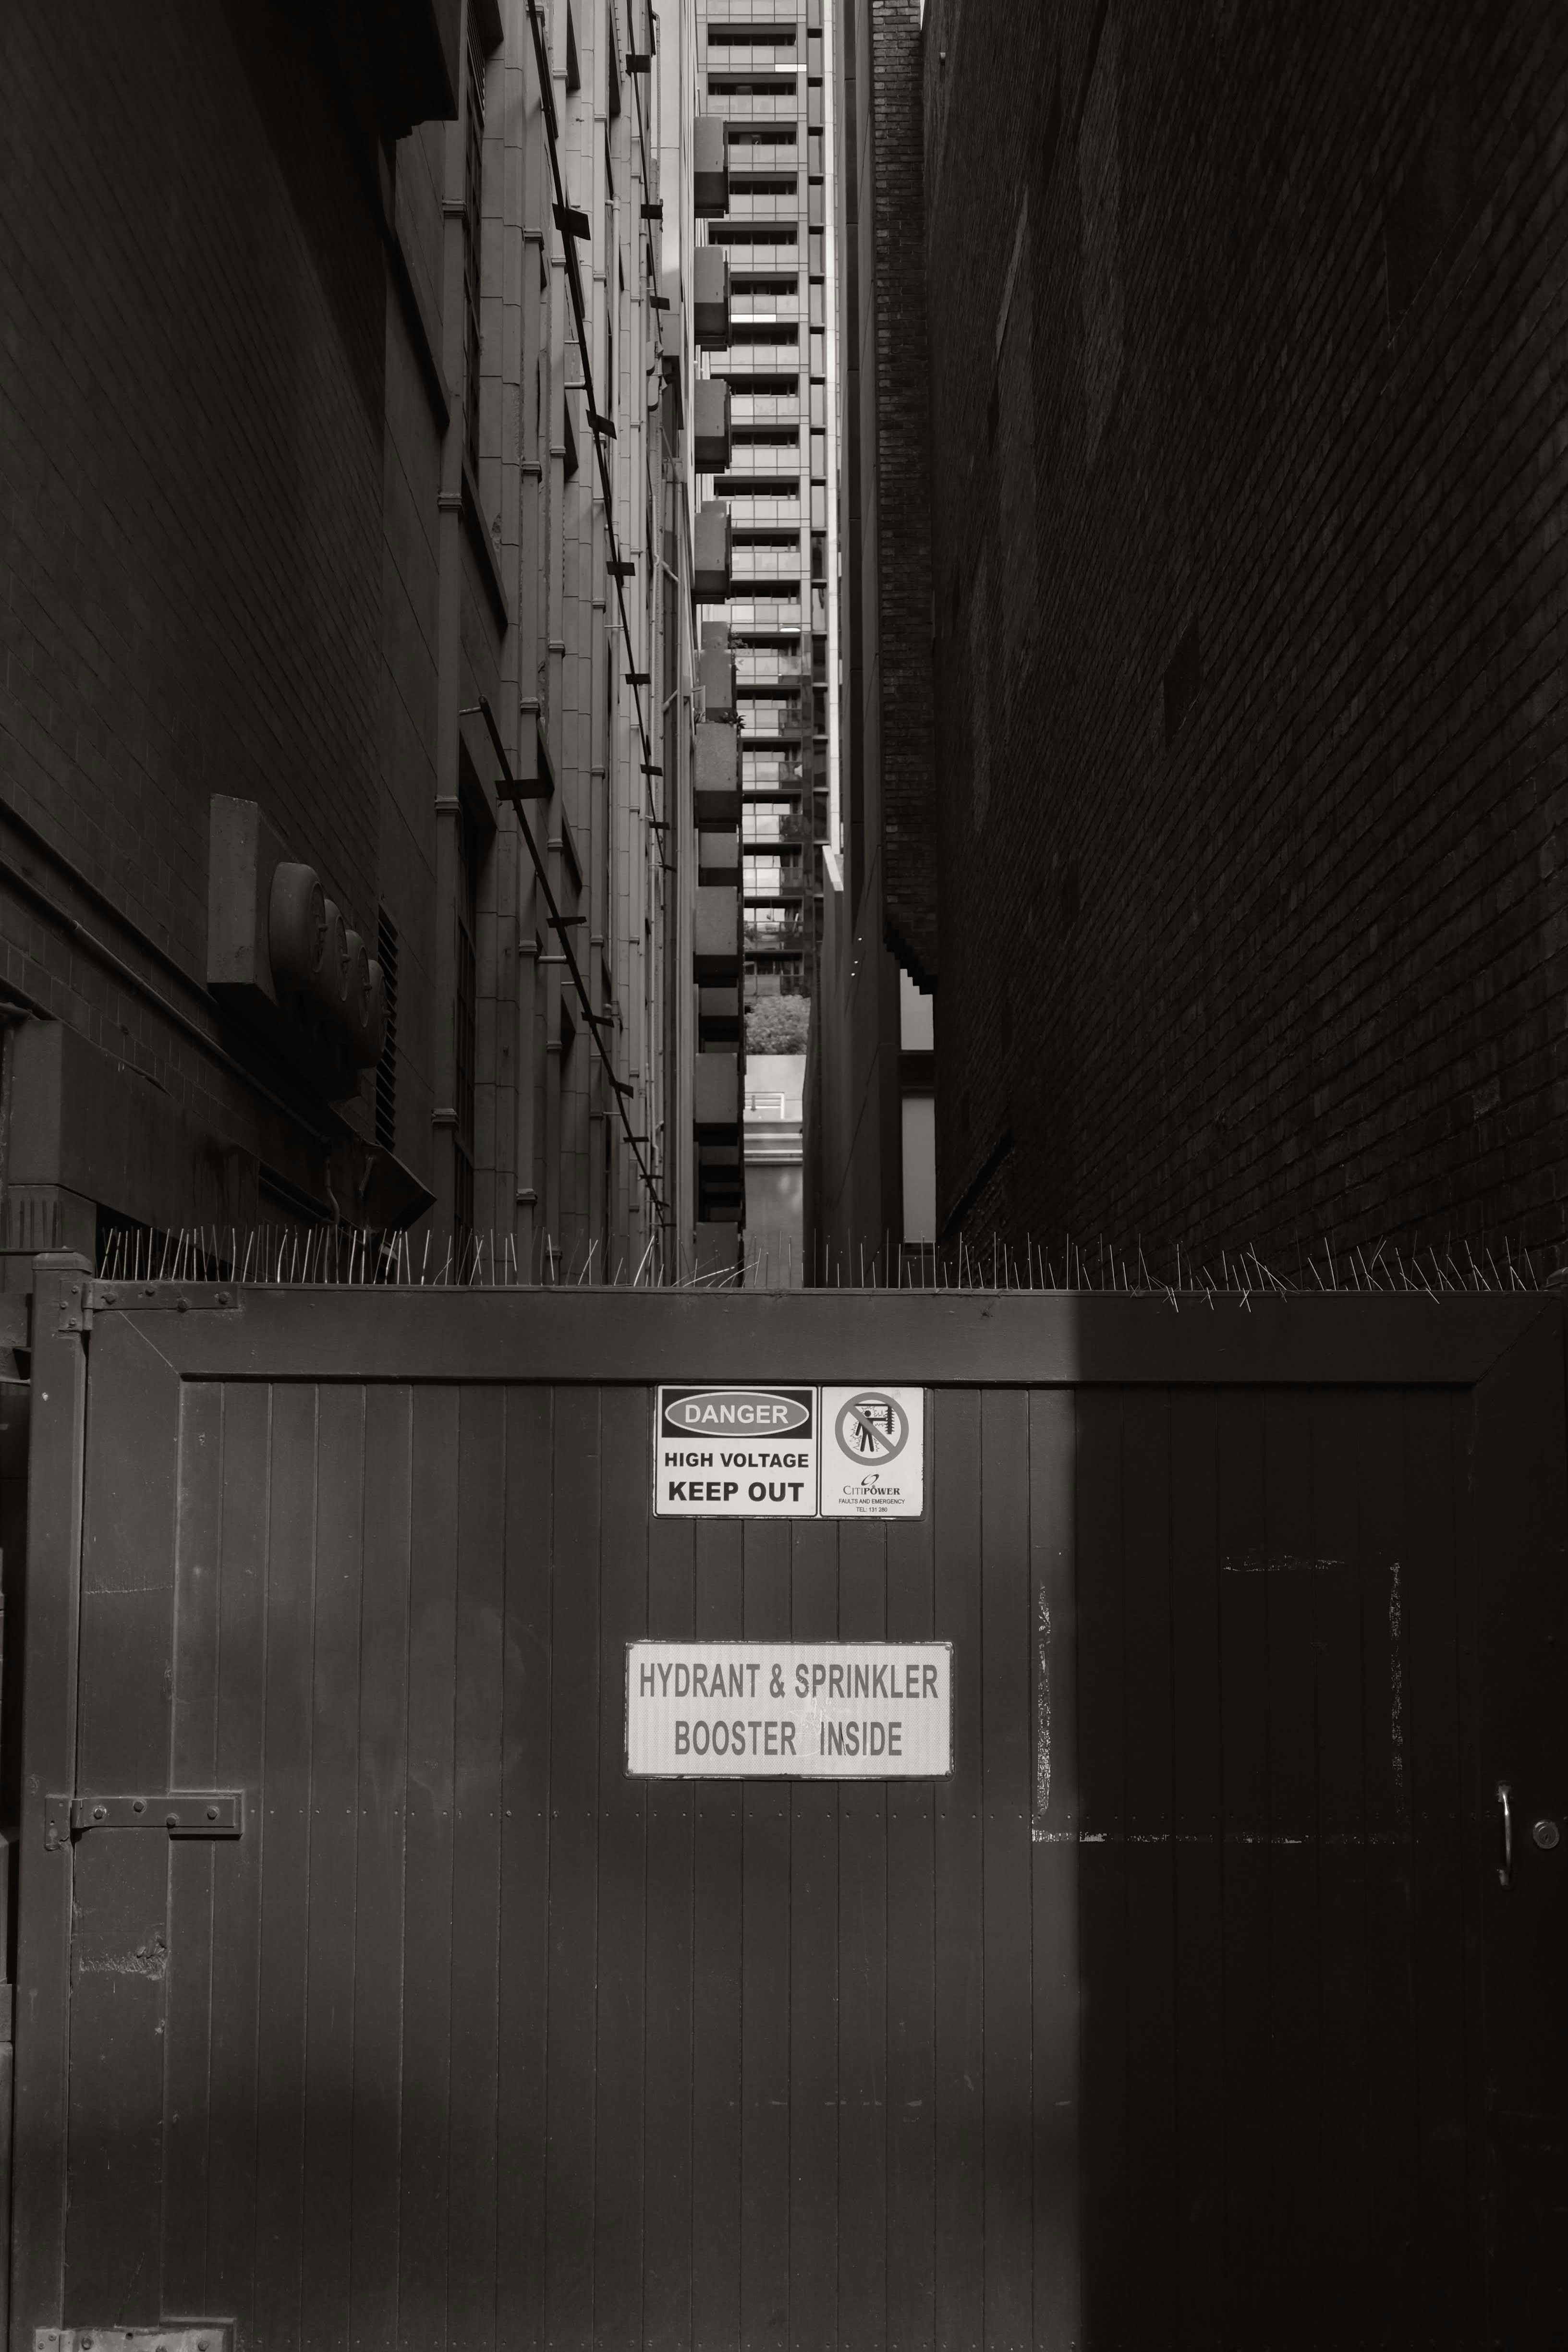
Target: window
(386, 1069)
(465, 1025)
(473, 175)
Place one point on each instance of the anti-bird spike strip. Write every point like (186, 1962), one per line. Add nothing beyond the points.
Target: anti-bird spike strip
(323, 1254)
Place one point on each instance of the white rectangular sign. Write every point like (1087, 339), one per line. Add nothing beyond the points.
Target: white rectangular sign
(789, 1710)
(873, 1453)
(736, 1454)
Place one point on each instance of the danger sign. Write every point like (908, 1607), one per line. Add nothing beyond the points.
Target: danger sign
(873, 1460)
(736, 1454)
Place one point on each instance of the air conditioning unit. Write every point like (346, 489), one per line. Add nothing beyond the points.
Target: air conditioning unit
(283, 957)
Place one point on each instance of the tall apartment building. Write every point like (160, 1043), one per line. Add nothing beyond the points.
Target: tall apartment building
(766, 326)
(1248, 435)
(347, 874)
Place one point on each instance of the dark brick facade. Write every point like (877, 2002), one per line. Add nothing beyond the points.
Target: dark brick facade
(1250, 454)
(190, 578)
(896, 420)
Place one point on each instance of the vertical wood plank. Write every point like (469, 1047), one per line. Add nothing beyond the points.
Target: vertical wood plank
(382, 1798)
(574, 1847)
(1150, 1859)
(1198, 1824)
(235, 2086)
(425, 2185)
(1518, 1505)
(1349, 2195)
(717, 2089)
(478, 1711)
(523, 2025)
(1244, 1719)
(120, 1883)
(334, 1855)
(286, 1824)
(814, 1982)
(192, 1764)
(1102, 1864)
(1053, 1509)
(621, 2129)
(912, 1982)
(863, 1978)
(668, 2246)
(1293, 1568)
(764, 1987)
(1007, 1786)
(1443, 2025)
(959, 2200)
(1477, 1821)
(1393, 2157)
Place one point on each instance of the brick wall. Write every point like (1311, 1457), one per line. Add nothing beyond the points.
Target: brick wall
(1254, 916)
(190, 401)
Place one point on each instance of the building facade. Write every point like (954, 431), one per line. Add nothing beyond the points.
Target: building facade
(349, 552)
(768, 338)
(870, 1089)
(1249, 471)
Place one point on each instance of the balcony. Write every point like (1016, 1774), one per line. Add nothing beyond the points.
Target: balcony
(711, 167)
(718, 1016)
(716, 936)
(712, 564)
(711, 427)
(719, 859)
(716, 672)
(716, 1095)
(710, 298)
(716, 777)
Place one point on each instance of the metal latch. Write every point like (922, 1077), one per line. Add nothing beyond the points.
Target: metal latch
(179, 1813)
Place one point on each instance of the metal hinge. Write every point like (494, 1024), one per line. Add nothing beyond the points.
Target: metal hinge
(75, 1306)
(185, 2336)
(179, 1813)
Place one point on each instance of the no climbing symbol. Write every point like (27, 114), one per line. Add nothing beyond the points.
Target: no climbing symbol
(872, 1428)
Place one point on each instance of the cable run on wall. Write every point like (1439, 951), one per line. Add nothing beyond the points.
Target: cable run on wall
(573, 225)
(511, 792)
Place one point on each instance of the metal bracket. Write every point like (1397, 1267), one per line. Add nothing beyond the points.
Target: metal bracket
(203, 1296)
(75, 1306)
(179, 1813)
(185, 2336)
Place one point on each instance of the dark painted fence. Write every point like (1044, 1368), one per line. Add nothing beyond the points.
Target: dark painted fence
(1190, 2010)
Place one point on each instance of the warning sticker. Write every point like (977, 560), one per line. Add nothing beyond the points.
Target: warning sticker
(736, 1454)
(873, 1453)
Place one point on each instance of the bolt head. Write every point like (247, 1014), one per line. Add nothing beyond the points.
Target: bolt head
(212, 1812)
(98, 1814)
(139, 1805)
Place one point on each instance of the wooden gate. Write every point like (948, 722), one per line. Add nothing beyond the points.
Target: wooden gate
(1192, 2008)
